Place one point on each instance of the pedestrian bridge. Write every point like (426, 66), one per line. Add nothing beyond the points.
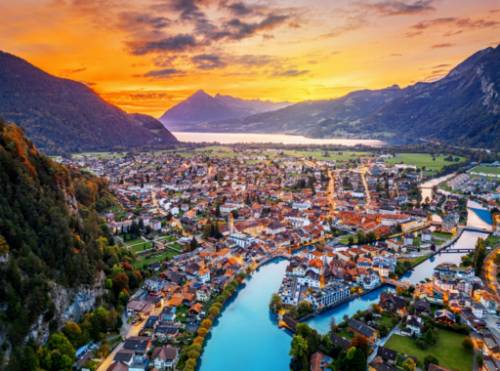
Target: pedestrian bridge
(396, 283)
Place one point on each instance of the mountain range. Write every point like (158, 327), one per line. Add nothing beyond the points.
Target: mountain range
(196, 112)
(61, 115)
(462, 108)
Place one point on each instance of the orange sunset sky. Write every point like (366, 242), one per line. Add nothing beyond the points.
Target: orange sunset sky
(146, 56)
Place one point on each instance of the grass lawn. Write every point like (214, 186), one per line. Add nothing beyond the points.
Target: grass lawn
(99, 155)
(414, 261)
(160, 257)
(345, 333)
(421, 160)
(344, 240)
(493, 170)
(138, 245)
(218, 151)
(441, 235)
(167, 238)
(448, 350)
(387, 321)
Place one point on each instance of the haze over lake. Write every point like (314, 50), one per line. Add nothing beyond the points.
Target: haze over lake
(231, 138)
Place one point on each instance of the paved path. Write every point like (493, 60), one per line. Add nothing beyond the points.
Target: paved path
(381, 343)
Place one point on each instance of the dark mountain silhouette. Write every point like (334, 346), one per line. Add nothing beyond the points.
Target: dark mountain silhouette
(199, 109)
(61, 115)
(462, 108)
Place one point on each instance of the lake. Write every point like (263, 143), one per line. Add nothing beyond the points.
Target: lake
(232, 138)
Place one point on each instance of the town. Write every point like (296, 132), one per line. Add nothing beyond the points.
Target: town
(348, 225)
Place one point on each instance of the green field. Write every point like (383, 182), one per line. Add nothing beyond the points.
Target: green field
(423, 160)
(327, 155)
(441, 236)
(142, 261)
(448, 350)
(99, 155)
(493, 170)
(138, 245)
(415, 261)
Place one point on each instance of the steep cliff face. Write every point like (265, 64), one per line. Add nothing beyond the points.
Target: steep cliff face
(51, 236)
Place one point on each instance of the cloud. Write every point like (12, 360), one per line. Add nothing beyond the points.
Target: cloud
(398, 7)
(442, 65)
(135, 20)
(352, 23)
(454, 25)
(252, 60)
(177, 43)
(208, 61)
(239, 8)
(163, 73)
(235, 29)
(72, 71)
(442, 45)
(290, 73)
(200, 26)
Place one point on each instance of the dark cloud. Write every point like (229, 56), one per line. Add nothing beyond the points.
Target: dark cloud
(212, 61)
(398, 7)
(162, 73)
(202, 31)
(72, 71)
(442, 65)
(442, 45)
(177, 43)
(290, 73)
(240, 9)
(165, 60)
(135, 20)
(236, 29)
(208, 61)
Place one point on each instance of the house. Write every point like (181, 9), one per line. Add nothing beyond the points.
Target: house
(138, 344)
(339, 341)
(124, 356)
(118, 366)
(393, 303)
(490, 347)
(414, 325)
(444, 315)
(320, 362)
(422, 307)
(478, 310)
(388, 355)
(361, 328)
(490, 364)
(165, 357)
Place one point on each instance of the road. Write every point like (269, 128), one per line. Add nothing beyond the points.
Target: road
(126, 331)
(490, 273)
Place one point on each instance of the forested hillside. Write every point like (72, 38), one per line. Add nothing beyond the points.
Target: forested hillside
(52, 241)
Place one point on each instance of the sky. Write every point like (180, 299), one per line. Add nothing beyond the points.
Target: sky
(146, 56)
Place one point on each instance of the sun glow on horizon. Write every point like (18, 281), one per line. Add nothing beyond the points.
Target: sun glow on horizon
(147, 56)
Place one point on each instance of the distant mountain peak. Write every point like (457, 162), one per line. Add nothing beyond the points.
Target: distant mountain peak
(462, 108)
(201, 108)
(200, 93)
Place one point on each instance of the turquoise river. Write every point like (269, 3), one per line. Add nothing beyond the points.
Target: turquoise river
(247, 338)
